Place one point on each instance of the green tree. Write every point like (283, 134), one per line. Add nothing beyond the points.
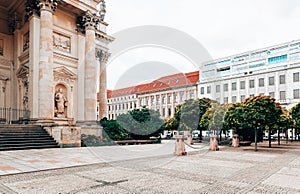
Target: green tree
(262, 111)
(188, 115)
(295, 113)
(235, 117)
(213, 119)
(284, 123)
(113, 130)
(141, 123)
(171, 124)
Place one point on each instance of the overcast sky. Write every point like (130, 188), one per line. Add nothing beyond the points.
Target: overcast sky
(223, 27)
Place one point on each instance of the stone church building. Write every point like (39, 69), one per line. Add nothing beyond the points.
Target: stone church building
(52, 55)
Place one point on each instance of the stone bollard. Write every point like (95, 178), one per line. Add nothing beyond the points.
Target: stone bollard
(213, 144)
(235, 141)
(179, 146)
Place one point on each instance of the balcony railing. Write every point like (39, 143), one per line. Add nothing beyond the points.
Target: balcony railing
(14, 116)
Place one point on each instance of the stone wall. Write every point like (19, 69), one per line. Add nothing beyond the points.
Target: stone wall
(66, 136)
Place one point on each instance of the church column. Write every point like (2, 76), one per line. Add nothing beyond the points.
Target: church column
(14, 27)
(32, 44)
(90, 86)
(34, 31)
(103, 56)
(46, 93)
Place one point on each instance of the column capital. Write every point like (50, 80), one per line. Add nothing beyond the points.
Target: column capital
(102, 55)
(33, 7)
(87, 21)
(14, 22)
(49, 5)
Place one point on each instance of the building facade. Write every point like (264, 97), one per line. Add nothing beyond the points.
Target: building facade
(51, 55)
(272, 71)
(162, 95)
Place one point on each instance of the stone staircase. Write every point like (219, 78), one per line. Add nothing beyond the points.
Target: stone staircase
(20, 137)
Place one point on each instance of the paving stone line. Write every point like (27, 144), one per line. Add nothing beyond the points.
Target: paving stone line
(267, 169)
(6, 190)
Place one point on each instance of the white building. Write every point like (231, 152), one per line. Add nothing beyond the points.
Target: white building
(162, 95)
(270, 71)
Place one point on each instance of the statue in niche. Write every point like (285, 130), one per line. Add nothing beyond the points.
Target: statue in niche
(61, 104)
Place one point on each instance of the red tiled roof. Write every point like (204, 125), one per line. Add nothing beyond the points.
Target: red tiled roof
(163, 83)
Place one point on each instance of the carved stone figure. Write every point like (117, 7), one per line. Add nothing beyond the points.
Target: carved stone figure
(61, 103)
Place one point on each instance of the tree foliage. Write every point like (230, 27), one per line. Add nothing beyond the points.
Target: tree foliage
(262, 111)
(113, 130)
(188, 115)
(295, 116)
(259, 112)
(213, 118)
(235, 116)
(141, 123)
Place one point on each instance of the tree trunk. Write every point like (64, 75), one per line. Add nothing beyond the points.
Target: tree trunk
(200, 138)
(286, 135)
(220, 134)
(269, 136)
(255, 134)
(190, 138)
(278, 132)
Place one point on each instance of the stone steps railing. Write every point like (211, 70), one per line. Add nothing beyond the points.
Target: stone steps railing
(13, 115)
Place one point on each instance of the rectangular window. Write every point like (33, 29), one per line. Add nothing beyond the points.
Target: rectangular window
(282, 95)
(192, 96)
(277, 59)
(182, 96)
(251, 83)
(218, 88)
(251, 95)
(225, 87)
(261, 82)
(282, 79)
(242, 97)
(233, 99)
(169, 99)
(271, 81)
(208, 89)
(242, 85)
(233, 86)
(261, 94)
(158, 99)
(296, 77)
(297, 94)
(272, 94)
(176, 98)
(202, 90)
(152, 101)
(225, 99)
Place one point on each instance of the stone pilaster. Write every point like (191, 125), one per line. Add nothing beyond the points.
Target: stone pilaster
(103, 57)
(46, 93)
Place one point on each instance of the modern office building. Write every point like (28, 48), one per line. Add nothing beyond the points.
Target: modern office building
(162, 94)
(270, 71)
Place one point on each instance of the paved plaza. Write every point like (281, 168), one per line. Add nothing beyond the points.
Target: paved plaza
(152, 169)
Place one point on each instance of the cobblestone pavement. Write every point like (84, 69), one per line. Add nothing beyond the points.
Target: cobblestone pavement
(227, 171)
